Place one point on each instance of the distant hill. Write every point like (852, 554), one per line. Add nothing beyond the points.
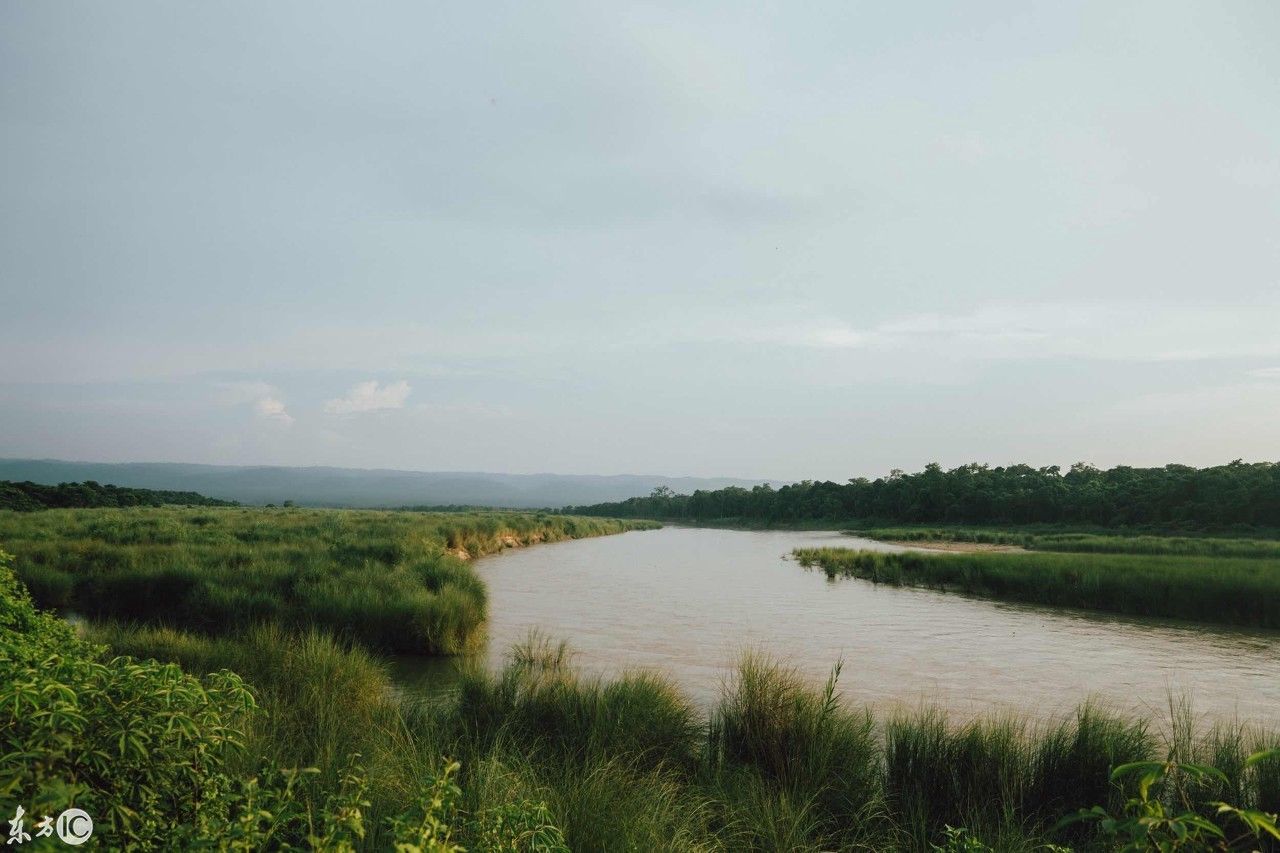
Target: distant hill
(28, 496)
(360, 487)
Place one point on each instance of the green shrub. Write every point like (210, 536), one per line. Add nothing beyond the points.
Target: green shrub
(1163, 816)
(141, 746)
(319, 699)
(164, 760)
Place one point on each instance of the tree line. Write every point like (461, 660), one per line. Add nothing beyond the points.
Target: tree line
(28, 497)
(1238, 494)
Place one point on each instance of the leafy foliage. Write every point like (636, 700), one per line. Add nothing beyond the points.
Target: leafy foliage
(1237, 494)
(153, 754)
(140, 745)
(27, 496)
(1161, 816)
(437, 819)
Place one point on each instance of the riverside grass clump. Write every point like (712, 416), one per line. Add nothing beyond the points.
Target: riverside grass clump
(780, 763)
(394, 581)
(1233, 591)
(1049, 539)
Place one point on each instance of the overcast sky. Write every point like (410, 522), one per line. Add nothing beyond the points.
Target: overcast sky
(799, 240)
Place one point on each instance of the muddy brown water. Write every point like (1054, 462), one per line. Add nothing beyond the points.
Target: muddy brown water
(689, 601)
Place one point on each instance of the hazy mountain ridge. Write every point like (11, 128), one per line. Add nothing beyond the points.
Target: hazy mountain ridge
(360, 487)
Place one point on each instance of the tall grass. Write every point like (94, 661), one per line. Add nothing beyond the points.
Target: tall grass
(1002, 777)
(782, 763)
(320, 699)
(1083, 542)
(805, 767)
(629, 764)
(540, 702)
(612, 759)
(394, 581)
(1221, 590)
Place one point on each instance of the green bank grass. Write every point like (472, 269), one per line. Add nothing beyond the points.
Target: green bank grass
(1233, 591)
(393, 581)
(206, 732)
(320, 699)
(1048, 539)
(778, 764)
(285, 731)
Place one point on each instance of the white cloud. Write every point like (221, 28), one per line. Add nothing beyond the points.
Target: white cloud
(1116, 331)
(263, 396)
(1265, 373)
(272, 409)
(370, 397)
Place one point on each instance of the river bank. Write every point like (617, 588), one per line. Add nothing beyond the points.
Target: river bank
(605, 744)
(398, 582)
(1219, 590)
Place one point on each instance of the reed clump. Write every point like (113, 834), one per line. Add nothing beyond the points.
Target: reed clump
(1233, 591)
(540, 702)
(793, 762)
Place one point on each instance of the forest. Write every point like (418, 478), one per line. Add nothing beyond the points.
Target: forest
(29, 497)
(1235, 496)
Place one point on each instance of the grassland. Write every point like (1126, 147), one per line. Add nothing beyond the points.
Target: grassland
(394, 581)
(177, 735)
(1231, 591)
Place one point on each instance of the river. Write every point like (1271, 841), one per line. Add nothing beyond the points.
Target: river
(689, 601)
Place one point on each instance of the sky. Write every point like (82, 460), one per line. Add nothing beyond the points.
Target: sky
(815, 240)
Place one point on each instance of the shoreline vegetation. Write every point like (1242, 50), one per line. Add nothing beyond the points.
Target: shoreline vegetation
(1238, 498)
(1234, 591)
(1077, 542)
(191, 738)
(284, 731)
(955, 546)
(396, 582)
